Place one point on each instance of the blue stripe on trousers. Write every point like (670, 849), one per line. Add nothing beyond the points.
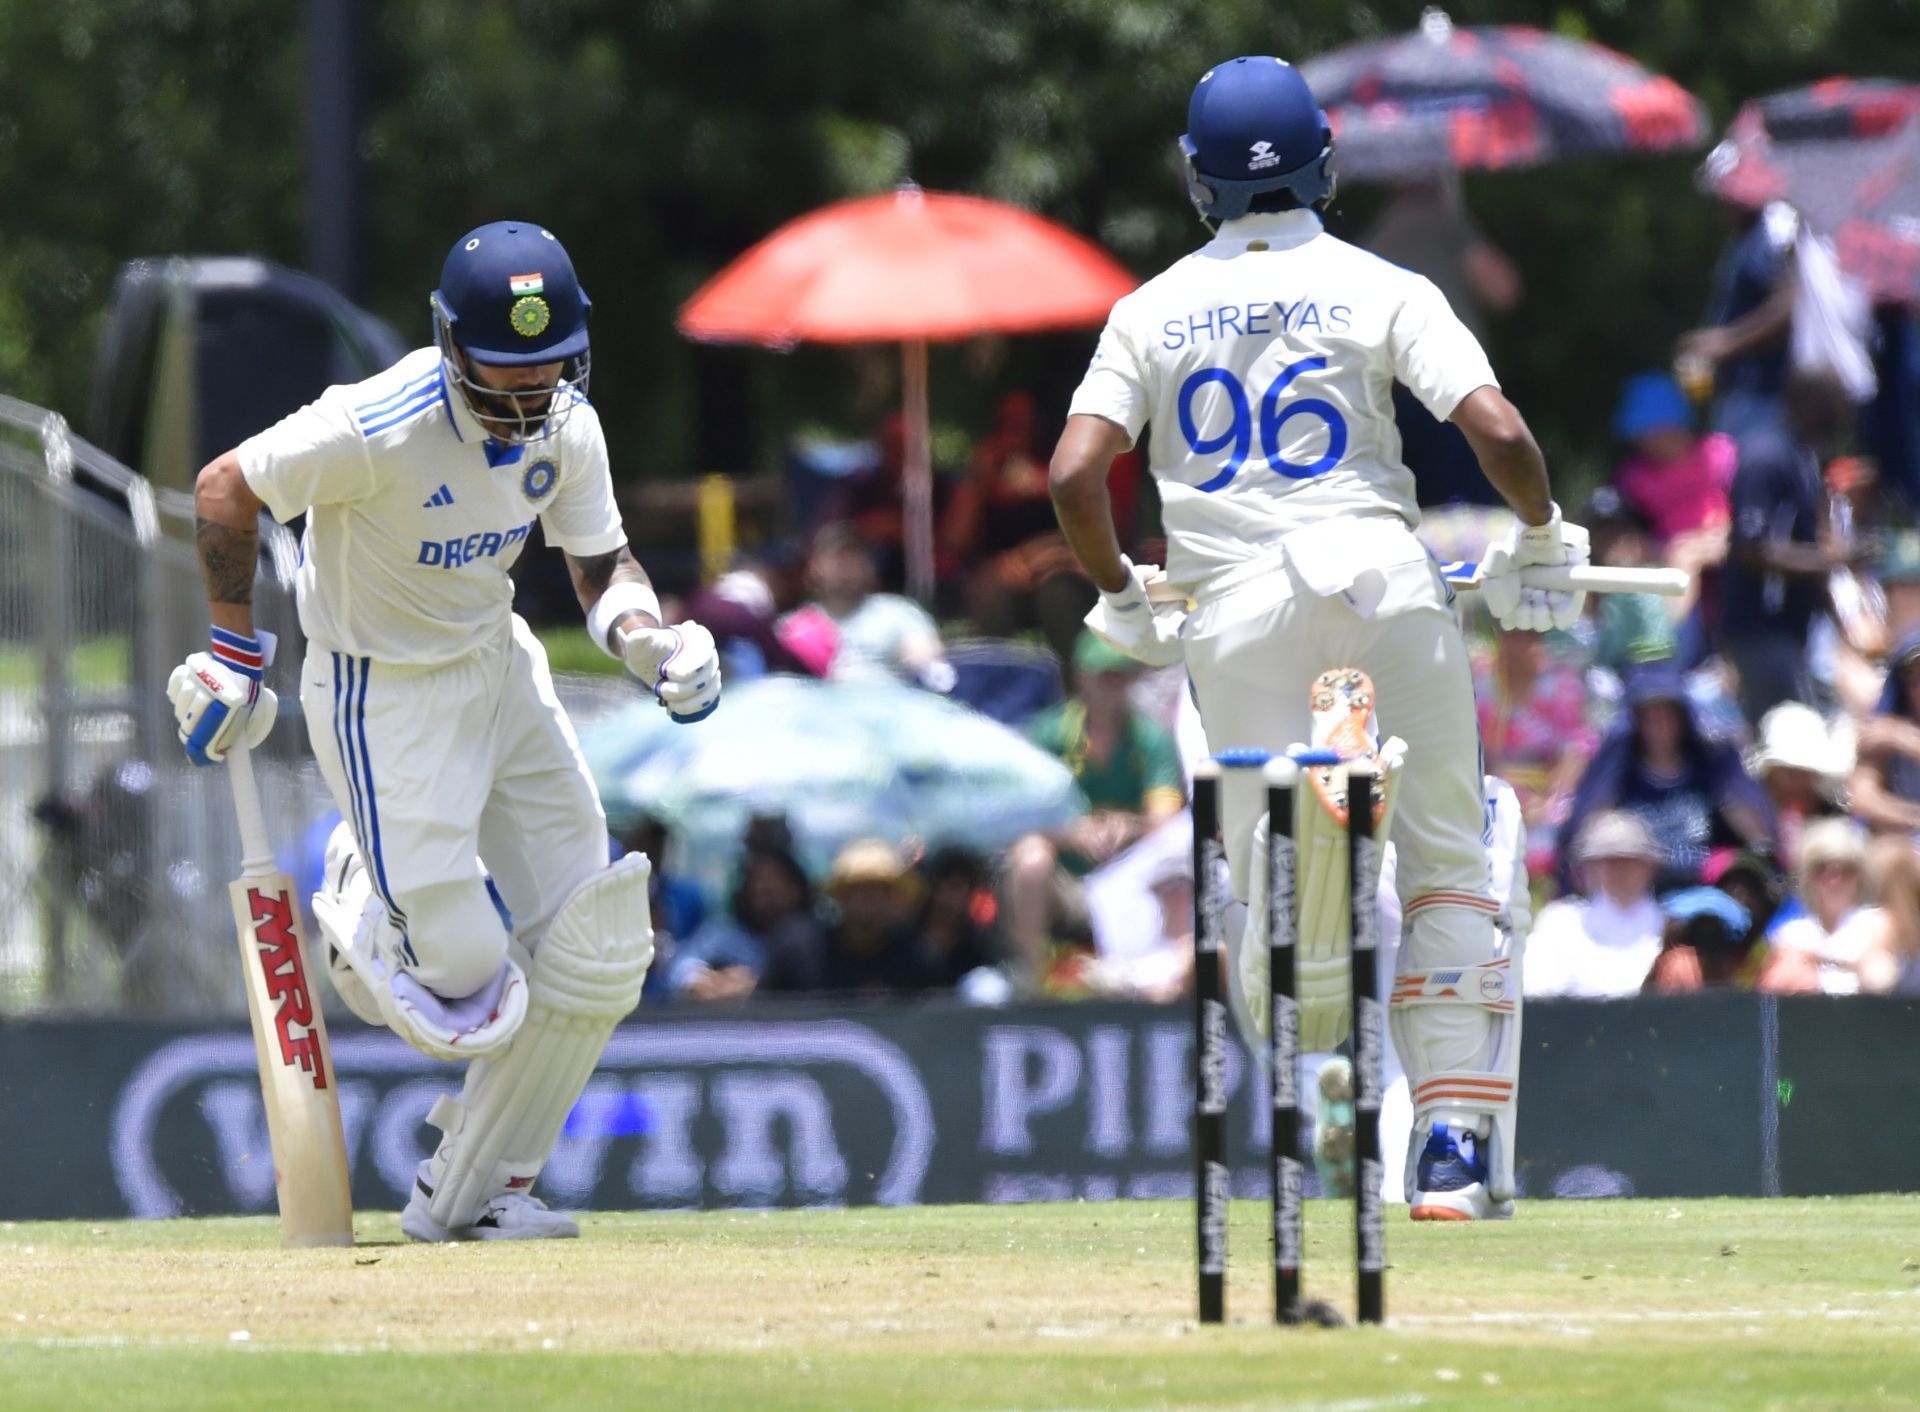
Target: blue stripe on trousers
(341, 743)
(373, 812)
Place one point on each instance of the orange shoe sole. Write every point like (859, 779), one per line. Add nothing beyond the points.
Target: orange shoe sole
(1438, 1213)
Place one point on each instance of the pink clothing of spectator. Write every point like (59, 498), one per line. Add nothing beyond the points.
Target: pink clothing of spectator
(1688, 492)
(811, 636)
(1679, 483)
(1534, 733)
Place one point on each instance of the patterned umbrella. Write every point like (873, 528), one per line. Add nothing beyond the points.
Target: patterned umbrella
(1492, 97)
(1878, 242)
(1813, 146)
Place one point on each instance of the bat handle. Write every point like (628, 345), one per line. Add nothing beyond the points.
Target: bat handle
(256, 850)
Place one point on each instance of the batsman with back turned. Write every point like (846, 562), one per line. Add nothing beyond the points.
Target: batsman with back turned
(1265, 362)
(468, 904)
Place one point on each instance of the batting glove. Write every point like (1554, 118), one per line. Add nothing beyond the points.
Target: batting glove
(680, 665)
(217, 696)
(1517, 607)
(1127, 619)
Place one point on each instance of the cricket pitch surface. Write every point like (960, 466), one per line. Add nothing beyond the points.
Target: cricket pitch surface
(1690, 1305)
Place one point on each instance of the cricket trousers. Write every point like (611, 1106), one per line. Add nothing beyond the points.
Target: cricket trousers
(1254, 651)
(451, 776)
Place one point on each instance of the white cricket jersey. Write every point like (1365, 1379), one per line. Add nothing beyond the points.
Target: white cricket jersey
(414, 515)
(1266, 361)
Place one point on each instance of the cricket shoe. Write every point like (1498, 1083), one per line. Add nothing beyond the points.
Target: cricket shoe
(512, 1215)
(1450, 1178)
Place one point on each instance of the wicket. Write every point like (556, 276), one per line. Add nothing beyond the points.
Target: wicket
(1286, 1169)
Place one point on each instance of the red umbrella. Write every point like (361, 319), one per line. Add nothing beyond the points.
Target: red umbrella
(908, 267)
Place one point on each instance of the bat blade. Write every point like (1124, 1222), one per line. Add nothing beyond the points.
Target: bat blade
(297, 1080)
(1588, 578)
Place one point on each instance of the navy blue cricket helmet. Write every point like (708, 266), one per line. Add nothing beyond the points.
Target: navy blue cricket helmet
(1253, 127)
(508, 297)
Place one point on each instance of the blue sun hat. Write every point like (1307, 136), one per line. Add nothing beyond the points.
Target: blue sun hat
(1651, 402)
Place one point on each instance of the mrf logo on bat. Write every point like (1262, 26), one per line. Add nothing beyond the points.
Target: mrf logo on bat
(277, 949)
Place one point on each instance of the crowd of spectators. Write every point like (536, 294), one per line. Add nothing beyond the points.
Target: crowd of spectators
(1749, 813)
(1721, 789)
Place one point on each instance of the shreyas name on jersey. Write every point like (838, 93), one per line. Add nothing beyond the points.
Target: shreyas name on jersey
(481, 544)
(1273, 316)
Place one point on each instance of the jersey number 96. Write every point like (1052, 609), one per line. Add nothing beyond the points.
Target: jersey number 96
(1237, 439)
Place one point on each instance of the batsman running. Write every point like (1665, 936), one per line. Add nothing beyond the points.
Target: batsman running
(1265, 362)
(468, 904)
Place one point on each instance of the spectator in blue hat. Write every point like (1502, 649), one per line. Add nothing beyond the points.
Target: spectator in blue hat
(1676, 480)
(1708, 941)
(1688, 788)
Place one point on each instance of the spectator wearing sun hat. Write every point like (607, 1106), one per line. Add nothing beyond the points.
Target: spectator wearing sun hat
(1708, 942)
(1601, 941)
(872, 946)
(1802, 767)
(1675, 479)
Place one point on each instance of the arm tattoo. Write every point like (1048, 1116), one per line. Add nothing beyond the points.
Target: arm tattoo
(228, 557)
(602, 571)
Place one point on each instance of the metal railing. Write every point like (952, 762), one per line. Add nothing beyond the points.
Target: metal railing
(114, 852)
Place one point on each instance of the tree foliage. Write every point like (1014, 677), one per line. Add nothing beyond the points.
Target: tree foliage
(661, 137)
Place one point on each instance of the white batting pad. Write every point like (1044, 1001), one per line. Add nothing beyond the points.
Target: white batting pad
(586, 977)
(362, 949)
(1455, 1009)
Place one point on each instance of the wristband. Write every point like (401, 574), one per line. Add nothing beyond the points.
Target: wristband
(619, 600)
(239, 653)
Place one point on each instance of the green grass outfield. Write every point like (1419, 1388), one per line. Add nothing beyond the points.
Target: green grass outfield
(1602, 1304)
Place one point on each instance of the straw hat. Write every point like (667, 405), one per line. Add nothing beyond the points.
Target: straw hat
(1614, 833)
(868, 860)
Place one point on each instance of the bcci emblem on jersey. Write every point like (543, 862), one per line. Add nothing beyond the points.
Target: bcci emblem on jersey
(539, 480)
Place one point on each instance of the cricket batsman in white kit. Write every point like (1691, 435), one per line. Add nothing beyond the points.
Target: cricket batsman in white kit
(468, 904)
(1265, 362)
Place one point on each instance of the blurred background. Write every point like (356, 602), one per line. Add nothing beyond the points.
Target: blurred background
(1687, 235)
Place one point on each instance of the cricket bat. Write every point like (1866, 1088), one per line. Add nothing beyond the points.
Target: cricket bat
(1465, 574)
(297, 1079)
(1589, 578)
